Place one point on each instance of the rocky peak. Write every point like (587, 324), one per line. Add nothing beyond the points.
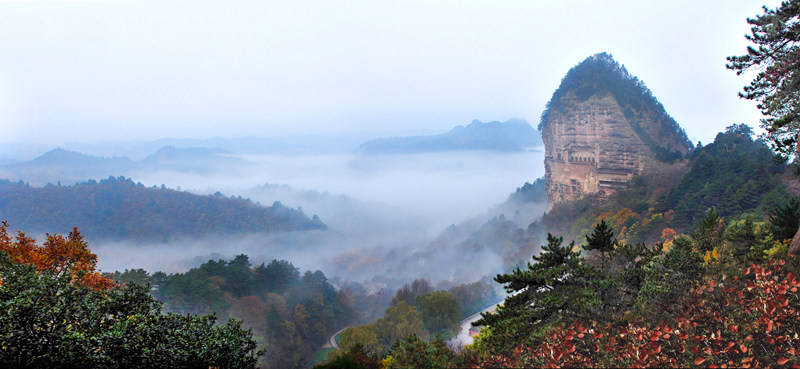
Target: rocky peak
(601, 128)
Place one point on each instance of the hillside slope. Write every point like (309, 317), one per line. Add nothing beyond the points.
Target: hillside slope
(735, 174)
(119, 209)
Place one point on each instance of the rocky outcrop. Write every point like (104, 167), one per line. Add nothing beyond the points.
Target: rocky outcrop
(602, 128)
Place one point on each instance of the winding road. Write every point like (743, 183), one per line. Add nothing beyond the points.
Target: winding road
(462, 339)
(332, 341)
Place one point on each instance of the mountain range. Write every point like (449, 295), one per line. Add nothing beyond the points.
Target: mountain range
(511, 135)
(60, 165)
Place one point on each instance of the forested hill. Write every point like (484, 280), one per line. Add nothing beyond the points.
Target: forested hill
(734, 174)
(291, 313)
(118, 208)
(511, 135)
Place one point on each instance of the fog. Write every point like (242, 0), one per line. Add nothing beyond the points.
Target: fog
(443, 188)
(387, 214)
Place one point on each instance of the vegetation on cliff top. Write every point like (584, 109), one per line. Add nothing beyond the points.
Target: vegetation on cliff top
(600, 74)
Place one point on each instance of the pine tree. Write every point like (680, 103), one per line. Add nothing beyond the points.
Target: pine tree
(785, 219)
(775, 41)
(602, 238)
(709, 232)
(555, 287)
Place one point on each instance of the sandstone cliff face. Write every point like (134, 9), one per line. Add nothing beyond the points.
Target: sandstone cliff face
(591, 148)
(595, 144)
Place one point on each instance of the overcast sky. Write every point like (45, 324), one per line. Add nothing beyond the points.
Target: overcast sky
(108, 69)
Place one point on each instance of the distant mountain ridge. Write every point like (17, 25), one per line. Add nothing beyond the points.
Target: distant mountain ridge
(57, 161)
(196, 159)
(511, 135)
(60, 165)
(119, 209)
(61, 156)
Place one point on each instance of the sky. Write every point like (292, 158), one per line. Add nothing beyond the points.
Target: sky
(93, 70)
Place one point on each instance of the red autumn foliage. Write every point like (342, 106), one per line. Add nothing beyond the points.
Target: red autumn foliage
(747, 321)
(58, 254)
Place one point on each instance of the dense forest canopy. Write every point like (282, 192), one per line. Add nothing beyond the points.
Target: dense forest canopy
(735, 174)
(600, 74)
(290, 313)
(118, 208)
(58, 312)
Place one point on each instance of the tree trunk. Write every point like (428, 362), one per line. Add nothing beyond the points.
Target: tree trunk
(794, 247)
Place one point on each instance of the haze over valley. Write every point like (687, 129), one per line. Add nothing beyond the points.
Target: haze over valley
(381, 210)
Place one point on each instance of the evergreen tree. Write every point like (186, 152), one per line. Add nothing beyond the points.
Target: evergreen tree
(602, 238)
(775, 38)
(556, 286)
(709, 232)
(785, 219)
(775, 41)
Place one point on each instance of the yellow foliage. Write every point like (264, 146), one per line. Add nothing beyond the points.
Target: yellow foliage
(778, 249)
(387, 362)
(713, 255)
(667, 245)
(479, 341)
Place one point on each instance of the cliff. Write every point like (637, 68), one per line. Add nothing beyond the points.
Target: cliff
(601, 128)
